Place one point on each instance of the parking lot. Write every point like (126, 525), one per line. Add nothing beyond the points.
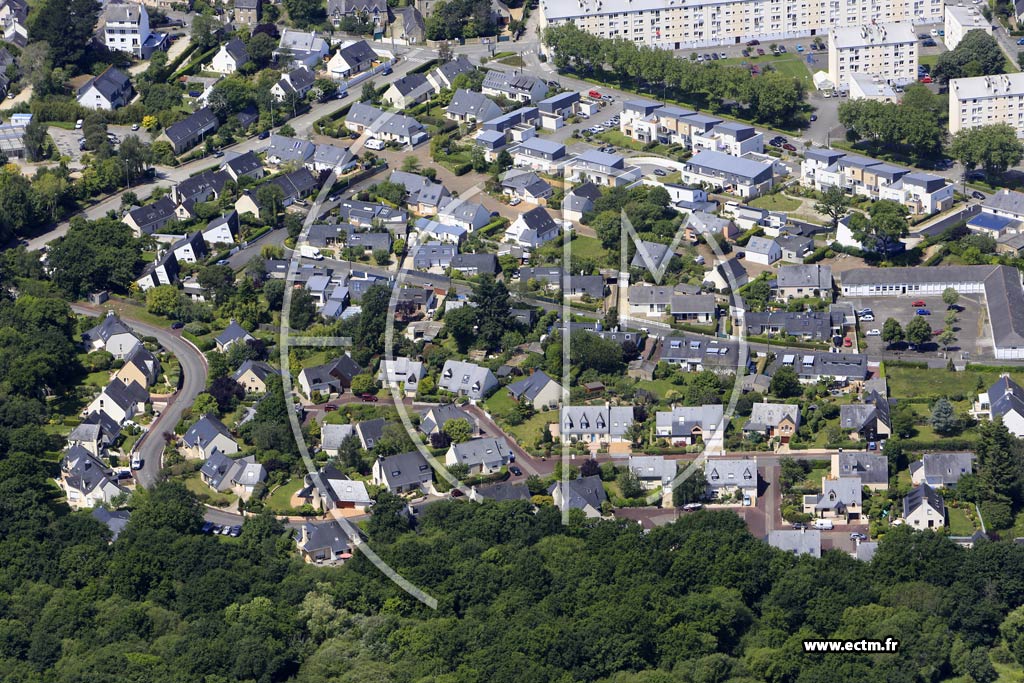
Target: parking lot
(971, 338)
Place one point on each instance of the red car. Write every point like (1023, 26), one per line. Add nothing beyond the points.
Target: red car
(368, 398)
(595, 94)
(760, 52)
(938, 331)
(918, 303)
(788, 147)
(847, 342)
(330, 408)
(926, 79)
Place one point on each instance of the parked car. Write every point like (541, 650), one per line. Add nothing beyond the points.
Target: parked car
(929, 43)
(799, 48)
(177, 325)
(595, 94)
(264, 135)
(847, 342)
(660, 172)
(814, 117)
(751, 43)
(135, 126)
(691, 507)
(927, 79)
(515, 201)
(918, 304)
(330, 408)
(236, 530)
(369, 398)
(868, 317)
(874, 333)
(923, 311)
(782, 49)
(207, 527)
(938, 331)
(78, 124)
(456, 493)
(977, 195)
(760, 52)
(788, 147)
(857, 536)
(865, 311)
(607, 98)
(515, 470)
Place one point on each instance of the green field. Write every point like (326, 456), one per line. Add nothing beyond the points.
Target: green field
(959, 524)
(280, 500)
(590, 248)
(197, 486)
(776, 202)
(791, 64)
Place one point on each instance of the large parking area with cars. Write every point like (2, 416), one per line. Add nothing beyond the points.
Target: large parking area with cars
(971, 326)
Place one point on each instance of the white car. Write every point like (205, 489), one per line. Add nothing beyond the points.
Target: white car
(874, 333)
(867, 317)
(515, 201)
(78, 124)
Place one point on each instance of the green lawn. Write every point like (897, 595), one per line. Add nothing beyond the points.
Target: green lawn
(935, 383)
(98, 379)
(280, 500)
(615, 137)
(500, 403)
(590, 248)
(791, 64)
(528, 433)
(659, 387)
(776, 202)
(197, 486)
(959, 524)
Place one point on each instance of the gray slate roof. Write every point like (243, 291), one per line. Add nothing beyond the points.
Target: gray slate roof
(582, 492)
(872, 469)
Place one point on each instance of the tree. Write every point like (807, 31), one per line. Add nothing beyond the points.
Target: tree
(162, 300)
(947, 338)
(305, 13)
(387, 520)
(369, 93)
(690, 490)
(205, 404)
(950, 296)
(226, 392)
(461, 325)
(204, 31)
(493, 310)
(35, 139)
(977, 54)
(1012, 631)
(303, 310)
(785, 383)
(885, 223)
(364, 384)
(1000, 458)
(943, 418)
(995, 148)
(834, 204)
(67, 25)
(918, 330)
(458, 430)
(629, 484)
(892, 331)
(270, 198)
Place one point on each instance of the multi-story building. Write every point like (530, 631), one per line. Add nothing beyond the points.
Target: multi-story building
(984, 100)
(960, 20)
(126, 29)
(885, 50)
(675, 25)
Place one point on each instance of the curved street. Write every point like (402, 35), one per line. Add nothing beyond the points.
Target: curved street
(193, 381)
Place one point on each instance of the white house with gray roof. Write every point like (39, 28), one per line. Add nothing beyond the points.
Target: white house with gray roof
(686, 425)
(403, 473)
(532, 229)
(539, 154)
(86, 481)
(110, 90)
(801, 281)
(408, 91)
(483, 456)
(443, 77)
(206, 436)
(740, 176)
(467, 379)
(773, 420)
(941, 470)
(796, 541)
(653, 471)
(839, 498)
(402, 371)
(514, 86)
(602, 424)
(240, 476)
(386, 126)
(924, 508)
(231, 57)
(301, 48)
(538, 389)
(871, 468)
(585, 493)
(112, 336)
(468, 106)
(464, 214)
(762, 250)
(726, 476)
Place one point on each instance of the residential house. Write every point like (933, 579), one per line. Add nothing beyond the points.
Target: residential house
(375, 11)
(405, 130)
(300, 48)
(408, 91)
(207, 436)
(90, 437)
(941, 470)
(595, 424)
(111, 335)
(163, 271)
(145, 220)
(762, 250)
(467, 379)
(189, 249)
(252, 375)
(709, 225)
(773, 420)
(590, 286)
(537, 389)
(115, 521)
(370, 432)
(112, 89)
(696, 354)
(586, 494)
(321, 543)
(86, 481)
(839, 498)
(404, 371)
(332, 436)
(872, 469)
(232, 334)
(539, 154)
(795, 248)
(433, 419)
(526, 185)
(868, 421)
(483, 456)
(1004, 399)
(202, 187)
(799, 282)
(809, 326)
(140, 366)
(500, 492)
(532, 229)
(471, 107)
(686, 425)
(247, 12)
(924, 508)
(283, 149)
(651, 256)
(222, 229)
(408, 24)
(120, 401)
(471, 265)
(332, 377)
(423, 195)
(701, 309)
(737, 139)
(191, 130)
(246, 165)
(231, 57)
(653, 471)
(433, 255)
(601, 168)
(654, 300)
(353, 57)
(844, 370)
(403, 473)
(796, 541)
(295, 185)
(443, 76)
(295, 83)
(415, 302)
(338, 160)
(514, 86)
(728, 275)
(580, 200)
(240, 476)
(328, 489)
(744, 177)
(727, 476)
(464, 214)
(126, 29)
(556, 109)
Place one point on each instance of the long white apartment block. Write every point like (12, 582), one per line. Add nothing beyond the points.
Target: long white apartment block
(985, 100)
(683, 24)
(888, 51)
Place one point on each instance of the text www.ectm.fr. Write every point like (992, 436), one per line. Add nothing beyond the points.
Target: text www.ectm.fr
(887, 645)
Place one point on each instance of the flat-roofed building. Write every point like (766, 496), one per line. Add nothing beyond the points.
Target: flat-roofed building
(888, 51)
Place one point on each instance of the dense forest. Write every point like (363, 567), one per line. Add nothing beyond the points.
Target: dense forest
(521, 597)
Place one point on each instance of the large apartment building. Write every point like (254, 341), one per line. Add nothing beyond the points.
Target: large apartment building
(960, 20)
(888, 51)
(984, 100)
(679, 24)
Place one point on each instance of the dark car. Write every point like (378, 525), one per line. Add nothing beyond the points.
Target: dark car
(177, 325)
(329, 408)
(515, 470)
(236, 530)
(456, 493)
(799, 526)
(752, 43)
(207, 527)
(659, 172)
(218, 154)
(264, 135)
(760, 52)
(788, 147)
(368, 398)
(814, 117)
(782, 49)
(977, 195)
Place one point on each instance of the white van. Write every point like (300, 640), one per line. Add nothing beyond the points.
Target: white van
(136, 462)
(823, 524)
(374, 143)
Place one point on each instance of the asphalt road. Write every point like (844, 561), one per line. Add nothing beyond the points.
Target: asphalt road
(193, 369)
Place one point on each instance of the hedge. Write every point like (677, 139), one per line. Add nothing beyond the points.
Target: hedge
(191, 66)
(943, 445)
(424, 67)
